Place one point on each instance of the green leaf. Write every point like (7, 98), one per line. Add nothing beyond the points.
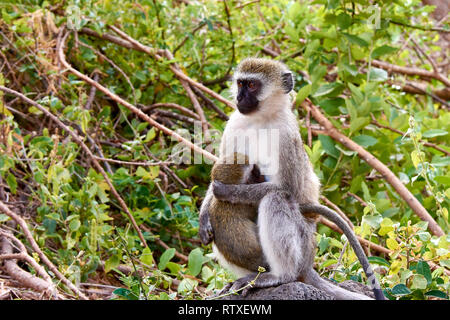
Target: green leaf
(329, 146)
(323, 244)
(187, 285)
(294, 10)
(173, 267)
(352, 69)
(357, 94)
(400, 290)
(125, 293)
(365, 141)
(434, 133)
(441, 162)
(380, 51)
(344, 21)
(151, 134)
(378, 75)
(419, 282)
(165, 258)
(423, 268)
(303, 93)
(74, 224)
(443, 180)
(373, 221)
(329, 89)
(358, 123)
(146, 256)
(392, 244)
(378, 260)
(112, 263)
(195, 261)
(436, 294)
(12, 183)
(355, 40)
(348, 153)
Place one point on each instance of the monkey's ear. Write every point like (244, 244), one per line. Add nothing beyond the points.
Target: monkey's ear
(287, 81)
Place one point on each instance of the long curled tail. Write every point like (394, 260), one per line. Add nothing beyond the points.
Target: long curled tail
(334, 217)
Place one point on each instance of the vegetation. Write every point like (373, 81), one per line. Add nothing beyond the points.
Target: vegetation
(97, 178)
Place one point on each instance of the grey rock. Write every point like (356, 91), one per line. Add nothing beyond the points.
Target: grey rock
(298, 291)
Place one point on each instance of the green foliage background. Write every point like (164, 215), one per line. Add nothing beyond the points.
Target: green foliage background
(330, 46)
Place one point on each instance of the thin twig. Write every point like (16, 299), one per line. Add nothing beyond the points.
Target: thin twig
(135, 163)
(169, 105)
(425, 143)
(412, 71)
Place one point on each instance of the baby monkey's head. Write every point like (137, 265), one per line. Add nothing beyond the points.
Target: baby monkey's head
(236, 170)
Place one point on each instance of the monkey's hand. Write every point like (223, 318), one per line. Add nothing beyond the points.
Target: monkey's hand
(221, 190)
(243, 193)
(205, 230)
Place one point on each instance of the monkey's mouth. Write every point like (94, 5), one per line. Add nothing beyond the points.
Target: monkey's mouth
(246, 108)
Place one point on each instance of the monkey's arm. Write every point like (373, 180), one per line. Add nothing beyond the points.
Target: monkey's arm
(334, 217)
(243, 193)
(205, 230)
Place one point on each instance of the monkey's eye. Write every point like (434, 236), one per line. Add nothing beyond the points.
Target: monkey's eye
(251, 85)
(239, 83)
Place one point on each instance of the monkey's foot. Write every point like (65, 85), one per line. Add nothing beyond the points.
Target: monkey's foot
(205, 230)
(251, 281)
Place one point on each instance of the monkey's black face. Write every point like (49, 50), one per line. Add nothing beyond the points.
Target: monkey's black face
(248, 91)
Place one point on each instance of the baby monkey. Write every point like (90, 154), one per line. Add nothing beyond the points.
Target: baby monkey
(236, 242)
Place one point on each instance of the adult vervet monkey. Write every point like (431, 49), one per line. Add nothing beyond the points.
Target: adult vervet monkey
(261, 88)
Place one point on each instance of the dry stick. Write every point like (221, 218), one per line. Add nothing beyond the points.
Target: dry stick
(42, 285)
(23, 251)
(210, 104)
(176, 116)
(169, 105)
(420, 88)
(88, 152)
(411, 71)
(338, 210)
(134, 163)
(92, 92)
(363, 203)
(440, 95)
(425, 143)
(129, 106)
(387, 174)
(28, 234)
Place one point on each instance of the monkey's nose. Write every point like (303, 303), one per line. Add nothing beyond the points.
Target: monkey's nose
(240, 97)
